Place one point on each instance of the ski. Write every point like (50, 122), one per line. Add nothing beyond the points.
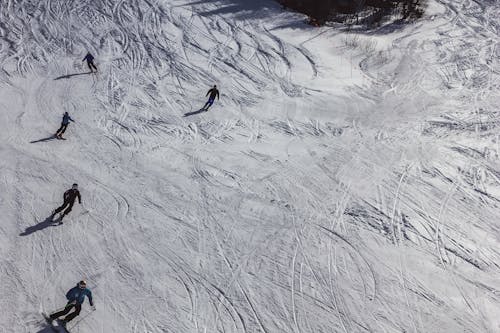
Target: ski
(61, 326)
(50, 322)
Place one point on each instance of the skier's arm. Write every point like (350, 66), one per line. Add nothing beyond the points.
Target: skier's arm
(208, 92)
(79, 197)
(71, 119)
(217, 95)
(69, 294)
(89, 295)
(65, 196)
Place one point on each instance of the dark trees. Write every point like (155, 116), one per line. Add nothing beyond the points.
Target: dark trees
(321, 11)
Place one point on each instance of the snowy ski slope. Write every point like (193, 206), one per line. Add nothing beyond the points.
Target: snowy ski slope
(346, 181)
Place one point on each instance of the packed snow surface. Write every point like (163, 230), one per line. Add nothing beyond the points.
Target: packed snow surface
(346, 181)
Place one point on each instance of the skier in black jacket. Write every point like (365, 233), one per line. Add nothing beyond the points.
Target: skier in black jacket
(90, 62)
(64, 124)
(69, 199)
(214, 92)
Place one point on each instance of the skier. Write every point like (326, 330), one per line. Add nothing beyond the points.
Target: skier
(213, 93)
(90, 62)
(75, 297)
(64, 124)
(69, 199)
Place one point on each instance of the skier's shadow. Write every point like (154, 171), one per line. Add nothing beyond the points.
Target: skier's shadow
(40, 226)
(194, 112)
(71, 75)
(47, 329)
(52, 137)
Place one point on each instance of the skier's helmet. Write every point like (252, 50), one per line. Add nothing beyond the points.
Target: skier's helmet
(75, 186)
(66, 113)
(82, 284)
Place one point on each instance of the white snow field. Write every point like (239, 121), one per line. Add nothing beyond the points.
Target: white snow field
(346, 181)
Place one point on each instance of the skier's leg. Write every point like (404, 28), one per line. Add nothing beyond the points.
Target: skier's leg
(209, 103)
(67, 211)
(63, 312)
(60, 129)
(59, 209)
(72, 315)
(93, 65)
(63, 128)
(89, 64)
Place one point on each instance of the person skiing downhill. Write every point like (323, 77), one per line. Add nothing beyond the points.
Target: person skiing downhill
(75, 297)
(64, 124)
(214, 92)
(69, 200)
(90, 62)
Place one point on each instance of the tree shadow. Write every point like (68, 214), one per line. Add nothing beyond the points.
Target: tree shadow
(384, 29)
(52, 137)
(243, 9)
(71, 75)
(48, 222)
(194, 112)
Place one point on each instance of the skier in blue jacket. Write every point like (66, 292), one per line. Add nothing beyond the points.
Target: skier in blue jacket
(75, 297)
(64, 124)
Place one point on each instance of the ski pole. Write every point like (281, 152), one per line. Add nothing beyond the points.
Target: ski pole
(64, 307)
(60, 309)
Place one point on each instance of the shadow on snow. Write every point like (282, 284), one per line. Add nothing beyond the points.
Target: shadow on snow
(71, 75)
(48, 222)
(52, 137)
(192, 113)
(243, 9)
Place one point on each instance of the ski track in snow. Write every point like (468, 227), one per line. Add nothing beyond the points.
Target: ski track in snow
(345, 181)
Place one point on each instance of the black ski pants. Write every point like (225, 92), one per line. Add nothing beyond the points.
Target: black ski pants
(62, 129)
(66, 203)
(66, 310)
(91, 65)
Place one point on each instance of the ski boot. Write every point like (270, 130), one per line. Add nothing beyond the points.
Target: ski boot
(48, 319)
(63, 323)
